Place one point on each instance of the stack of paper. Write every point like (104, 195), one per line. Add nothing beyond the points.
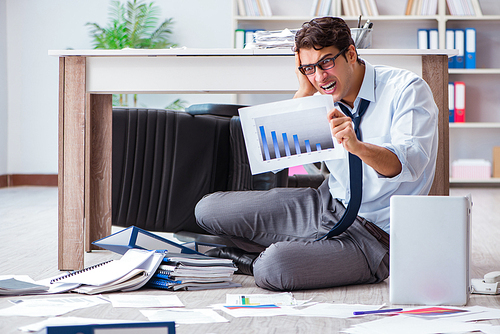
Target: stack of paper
(193, 272)
(12, 286)
(264, 39)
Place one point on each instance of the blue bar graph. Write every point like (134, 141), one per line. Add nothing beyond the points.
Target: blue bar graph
(308, 146)
(287, 145)
(267, 156)
(275, 144)
(281, 149)
(297, 144)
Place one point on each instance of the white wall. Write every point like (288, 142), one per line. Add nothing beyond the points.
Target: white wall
(3, 88)
(35, 26)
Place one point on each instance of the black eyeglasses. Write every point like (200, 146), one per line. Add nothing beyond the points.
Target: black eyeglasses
(324, 64)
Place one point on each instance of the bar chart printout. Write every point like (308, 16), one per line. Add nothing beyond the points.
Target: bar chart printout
(289, 133)
(297, 133)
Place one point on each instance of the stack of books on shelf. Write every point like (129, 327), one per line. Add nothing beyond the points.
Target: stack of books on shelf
(464, 7)
(421, 7)
(193, 272)
(254, 8)
(360, 7)
(323, 8)
(456, 101)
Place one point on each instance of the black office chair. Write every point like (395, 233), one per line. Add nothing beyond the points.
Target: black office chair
(165, 161)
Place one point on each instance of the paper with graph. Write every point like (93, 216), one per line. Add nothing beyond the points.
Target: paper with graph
(289, 133)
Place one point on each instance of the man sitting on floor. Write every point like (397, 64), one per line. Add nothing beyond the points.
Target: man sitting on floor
(297, 238)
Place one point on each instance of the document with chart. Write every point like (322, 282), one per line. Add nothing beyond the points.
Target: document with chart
(289, 133)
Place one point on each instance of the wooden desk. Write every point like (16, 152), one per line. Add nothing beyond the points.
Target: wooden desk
(88, 78)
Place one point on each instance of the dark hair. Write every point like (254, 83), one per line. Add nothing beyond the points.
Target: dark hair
(323, 32)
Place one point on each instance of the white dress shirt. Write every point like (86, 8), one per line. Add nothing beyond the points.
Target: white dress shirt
(402, 117)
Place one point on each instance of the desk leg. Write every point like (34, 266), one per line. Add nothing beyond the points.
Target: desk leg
(98, 163)
(71, 176)
(435, 73)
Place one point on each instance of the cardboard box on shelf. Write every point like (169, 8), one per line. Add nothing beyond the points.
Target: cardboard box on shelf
(496, 161)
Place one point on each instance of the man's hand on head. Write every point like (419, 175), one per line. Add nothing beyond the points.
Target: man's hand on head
(305, 86)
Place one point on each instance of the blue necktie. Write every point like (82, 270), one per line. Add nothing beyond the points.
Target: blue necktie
(355, 177)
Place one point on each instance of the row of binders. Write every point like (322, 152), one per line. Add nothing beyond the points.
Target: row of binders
(464, 40)
(360, 7)
(456, 101)
(464, 7)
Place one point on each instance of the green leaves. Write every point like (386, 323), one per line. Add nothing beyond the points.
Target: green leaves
(132, 25)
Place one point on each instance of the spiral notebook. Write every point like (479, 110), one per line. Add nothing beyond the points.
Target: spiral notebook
(130, 272)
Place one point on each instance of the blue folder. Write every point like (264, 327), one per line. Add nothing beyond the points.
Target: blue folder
(460, 45)
(450, 44)
(138, 327)
(135, 237)
(470, 48)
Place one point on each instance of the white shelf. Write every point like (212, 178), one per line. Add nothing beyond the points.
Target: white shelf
(480, 71)
(475, 125)
(346, 18)
(472, 182)
(472, 18)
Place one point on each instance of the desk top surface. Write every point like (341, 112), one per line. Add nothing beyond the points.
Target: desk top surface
(232, 52)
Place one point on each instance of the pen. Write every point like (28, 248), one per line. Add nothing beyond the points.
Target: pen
(378, 311)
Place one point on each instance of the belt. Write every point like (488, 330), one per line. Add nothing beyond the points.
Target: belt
(377, 232)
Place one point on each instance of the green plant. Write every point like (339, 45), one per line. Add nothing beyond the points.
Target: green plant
(132, 25)
(178, 104)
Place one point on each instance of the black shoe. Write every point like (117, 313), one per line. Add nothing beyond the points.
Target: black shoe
(242, 259)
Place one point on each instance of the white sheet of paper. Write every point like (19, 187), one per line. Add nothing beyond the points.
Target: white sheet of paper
(289, 133)
(412, 325)
(336, 310)
(279, 299)
(144, 301)
(184, 316)
(49, 307)
(257, 311)
(479, 313)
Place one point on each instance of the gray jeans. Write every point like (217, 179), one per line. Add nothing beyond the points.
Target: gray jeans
(283, 224)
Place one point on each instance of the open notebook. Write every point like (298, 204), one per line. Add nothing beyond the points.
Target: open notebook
(429, 250)
(130, 272)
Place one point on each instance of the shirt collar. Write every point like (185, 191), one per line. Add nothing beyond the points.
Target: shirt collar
(367, 90)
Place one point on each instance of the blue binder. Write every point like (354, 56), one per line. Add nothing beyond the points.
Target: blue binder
(423, 39)
(450, 44)
(470, 48)
(460, 46)
(451, 101)
(135, 327)
(135, 237)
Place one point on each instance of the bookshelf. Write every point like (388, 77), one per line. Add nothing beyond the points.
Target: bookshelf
(474, 139)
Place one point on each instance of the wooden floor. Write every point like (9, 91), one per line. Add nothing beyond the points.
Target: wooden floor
(28, 245)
